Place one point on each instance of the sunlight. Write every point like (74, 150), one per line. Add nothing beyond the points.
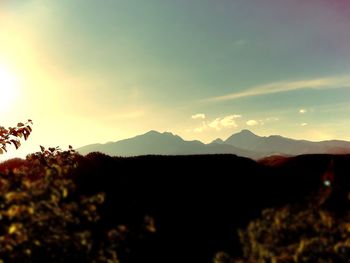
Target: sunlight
(8, 89)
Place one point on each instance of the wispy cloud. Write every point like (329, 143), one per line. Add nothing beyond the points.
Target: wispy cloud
(302, 111)
(219, 123)
(252, 123)
(263, 121)
(271, 119)
(198, 116)
(225, 122)
(277, 87)
(200, 129)
(304, 124)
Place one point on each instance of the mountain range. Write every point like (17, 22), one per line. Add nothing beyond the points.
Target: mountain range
(245, 143)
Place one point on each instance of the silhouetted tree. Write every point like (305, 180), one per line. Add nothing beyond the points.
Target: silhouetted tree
(44, 217)
(13, 135)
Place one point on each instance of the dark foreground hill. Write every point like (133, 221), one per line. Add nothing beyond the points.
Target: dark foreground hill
(199, 202)
(165, 208)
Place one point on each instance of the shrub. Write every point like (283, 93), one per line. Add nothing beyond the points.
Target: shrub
(43, 218)
(297, 234)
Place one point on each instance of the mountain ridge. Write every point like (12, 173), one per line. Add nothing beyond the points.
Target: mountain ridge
(244, 143)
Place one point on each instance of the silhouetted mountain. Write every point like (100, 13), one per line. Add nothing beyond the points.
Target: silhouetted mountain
(218, 141)
(244, 143)
(276, 144)
(245, 139)
(156, 143)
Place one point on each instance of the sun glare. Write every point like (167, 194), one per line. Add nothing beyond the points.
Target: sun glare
(8, 89)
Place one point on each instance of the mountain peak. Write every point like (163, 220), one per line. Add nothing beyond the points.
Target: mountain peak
(169, 134)
(218, 141)
(158, 137)
(157, 133)
(243, 134)
(243, 138)
(246, 132)
(152, 132)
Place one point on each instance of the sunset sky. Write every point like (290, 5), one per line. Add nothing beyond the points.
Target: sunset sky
(88, 71)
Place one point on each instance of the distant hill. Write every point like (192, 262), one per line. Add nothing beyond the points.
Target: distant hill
(276, 145)
(156, 143)
(244, 143)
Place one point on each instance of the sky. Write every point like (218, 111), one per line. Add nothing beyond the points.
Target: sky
(88, 71)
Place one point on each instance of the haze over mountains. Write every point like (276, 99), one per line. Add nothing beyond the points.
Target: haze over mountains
(244, 143)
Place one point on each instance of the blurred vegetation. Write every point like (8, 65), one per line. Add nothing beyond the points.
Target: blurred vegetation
(295, 234)
(44, 217)
(316, 231)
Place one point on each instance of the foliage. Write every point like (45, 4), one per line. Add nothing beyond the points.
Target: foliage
(44, 218)
(316, 230)
(12, 135)
(297, 234)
